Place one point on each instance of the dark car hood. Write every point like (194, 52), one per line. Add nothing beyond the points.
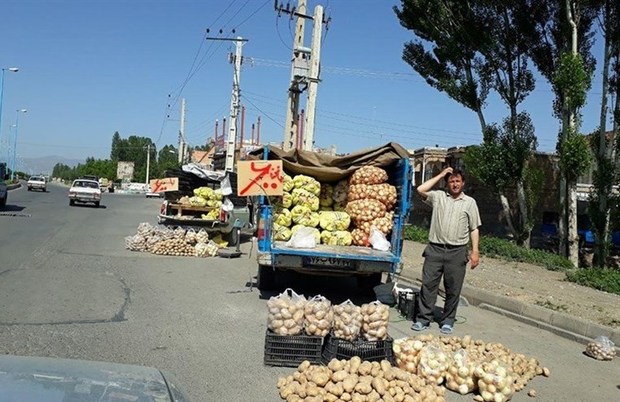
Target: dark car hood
(39, 379)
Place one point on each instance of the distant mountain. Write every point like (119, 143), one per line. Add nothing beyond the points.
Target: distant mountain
(44, 164)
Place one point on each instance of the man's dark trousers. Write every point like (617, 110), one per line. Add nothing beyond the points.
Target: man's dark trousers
(449, 261)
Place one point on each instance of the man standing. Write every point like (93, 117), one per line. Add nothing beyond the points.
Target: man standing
(454, 221)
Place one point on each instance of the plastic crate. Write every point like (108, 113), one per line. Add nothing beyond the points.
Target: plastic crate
(408, 304)
(291, 350)
(336, 348)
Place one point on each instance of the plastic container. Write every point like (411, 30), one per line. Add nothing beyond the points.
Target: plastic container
(336, 348)
(408, 304)
(291, 350)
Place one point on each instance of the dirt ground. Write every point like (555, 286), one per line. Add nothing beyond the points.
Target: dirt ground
(532, 284)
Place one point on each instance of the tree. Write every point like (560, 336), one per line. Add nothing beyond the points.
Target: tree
(501, 162)
(166, 159)
(117, 143)
(553, 30)
(476, 46)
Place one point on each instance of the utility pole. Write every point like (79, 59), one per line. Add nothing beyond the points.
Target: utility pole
(148, 162)
(182, 134)
(299, 58)
(305, 71)
(236, 61)
(313, 79)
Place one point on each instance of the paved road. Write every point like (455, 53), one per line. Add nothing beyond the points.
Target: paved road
(68, 288)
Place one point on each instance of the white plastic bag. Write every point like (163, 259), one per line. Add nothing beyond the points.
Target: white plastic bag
(303, 238)
(377, 240)
(227, 205)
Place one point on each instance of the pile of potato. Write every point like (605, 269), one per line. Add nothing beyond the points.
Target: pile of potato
(356, 381)
(601, 348)
(467, 365)
(291, 314)
(342, 213)
(176, 242)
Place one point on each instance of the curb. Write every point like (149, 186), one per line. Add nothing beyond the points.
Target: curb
(13, 186)
(561, 324)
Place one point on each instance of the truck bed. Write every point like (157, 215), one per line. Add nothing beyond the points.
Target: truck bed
(323, 250)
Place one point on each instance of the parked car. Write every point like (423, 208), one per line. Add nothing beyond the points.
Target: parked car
(47, 379)
(85, 191)
(37, 183)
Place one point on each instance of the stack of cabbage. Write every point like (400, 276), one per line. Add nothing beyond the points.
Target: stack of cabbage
(370, 202)
(308, 203)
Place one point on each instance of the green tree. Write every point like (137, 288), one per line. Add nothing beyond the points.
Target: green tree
(501, 162)
(117, 144)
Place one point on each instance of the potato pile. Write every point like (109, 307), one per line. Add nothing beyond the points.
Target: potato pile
(289, 313)
(356, 381)
(601, 348)
(362, 201)
(468, 365)
(286, 313)
(318, 316)
(176, 242)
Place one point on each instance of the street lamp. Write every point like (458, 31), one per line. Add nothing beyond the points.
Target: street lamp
(13, 70)
(18, 111)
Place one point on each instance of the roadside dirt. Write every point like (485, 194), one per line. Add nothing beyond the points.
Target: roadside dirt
(532, 284)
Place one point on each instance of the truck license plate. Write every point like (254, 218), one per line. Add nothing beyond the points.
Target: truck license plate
(328, 262)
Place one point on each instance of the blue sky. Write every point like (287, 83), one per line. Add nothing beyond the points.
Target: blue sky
(89, 68)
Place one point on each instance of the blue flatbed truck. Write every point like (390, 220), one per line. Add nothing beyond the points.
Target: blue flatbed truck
(366, 263)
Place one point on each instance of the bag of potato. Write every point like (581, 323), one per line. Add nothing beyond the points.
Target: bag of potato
(286, 313)
(375, 318)
(318, 316)
(347, 320)
(460, 374)
(601, 348)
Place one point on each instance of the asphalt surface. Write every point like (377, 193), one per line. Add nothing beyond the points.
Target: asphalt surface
(69, 288)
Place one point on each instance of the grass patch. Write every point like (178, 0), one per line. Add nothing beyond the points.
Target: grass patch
(605, 279)
(503, 249)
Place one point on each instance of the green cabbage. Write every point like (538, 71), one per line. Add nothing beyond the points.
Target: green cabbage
(288, 183)
(308, 183)
(333, 221)
(281, 233)
(197, 201)
(336, 238)
(304, 216)
(327, 192)
(303, 197)
(282, 217)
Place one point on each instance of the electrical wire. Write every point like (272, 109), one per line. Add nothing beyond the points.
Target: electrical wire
(266, 115)
(251, 15)
(280, 36)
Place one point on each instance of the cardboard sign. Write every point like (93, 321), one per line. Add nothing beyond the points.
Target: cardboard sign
(260, 178)
(166, 184)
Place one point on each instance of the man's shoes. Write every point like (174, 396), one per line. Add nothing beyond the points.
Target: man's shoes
(446, 329)
(418, 326)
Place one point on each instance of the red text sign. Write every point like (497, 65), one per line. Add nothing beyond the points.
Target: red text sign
(260, 178)
(166, 184)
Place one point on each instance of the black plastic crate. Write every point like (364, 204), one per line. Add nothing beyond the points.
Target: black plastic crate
(408, 304)
(337, 348)
(291, 350)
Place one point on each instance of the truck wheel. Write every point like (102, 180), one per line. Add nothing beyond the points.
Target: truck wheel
(71, 202)
(97, 204)
(266, 278)
(232, 237)
(3, 202)
(366, 283)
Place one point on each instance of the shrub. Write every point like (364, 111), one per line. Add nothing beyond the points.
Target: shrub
(416, 233)
(606, 279)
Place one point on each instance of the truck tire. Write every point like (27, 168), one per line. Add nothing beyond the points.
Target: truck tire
(266, 278)
(3, 201)
(71, 202)
(97, 204)
(231, 237)
(366, 283)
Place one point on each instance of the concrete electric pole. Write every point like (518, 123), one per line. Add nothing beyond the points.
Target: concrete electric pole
(148, 163)
(313, 80)
(182, 134)
(236, 60)
(305, 72)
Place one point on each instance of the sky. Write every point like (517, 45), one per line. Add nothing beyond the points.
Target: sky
(89, 68)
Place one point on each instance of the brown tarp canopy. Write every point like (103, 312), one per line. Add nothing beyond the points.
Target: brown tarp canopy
(328, 168)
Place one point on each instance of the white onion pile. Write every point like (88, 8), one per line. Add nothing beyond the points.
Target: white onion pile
(190, 236)
(369, 175)
(318, 316)
(145, 229)
(495, 381)
(286, 313)
(434, 363)
(460, 374)
(202, 236)
(205, 249)
(360, 237)
(375, 318)
(347, 320)
(135, 243)
(407, 353)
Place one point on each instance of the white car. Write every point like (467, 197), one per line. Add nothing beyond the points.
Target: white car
(37, 183)
(86, 191)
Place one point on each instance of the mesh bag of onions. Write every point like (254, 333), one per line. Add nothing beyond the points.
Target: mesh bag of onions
(369, 175)
(386, 193)
(365, 210)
